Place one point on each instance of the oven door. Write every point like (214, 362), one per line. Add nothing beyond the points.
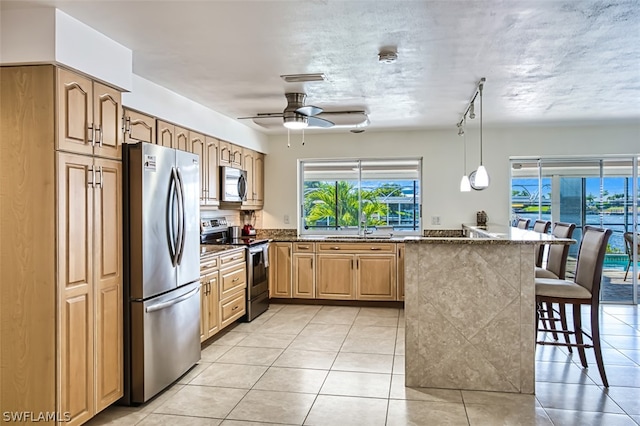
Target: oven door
(258, 271)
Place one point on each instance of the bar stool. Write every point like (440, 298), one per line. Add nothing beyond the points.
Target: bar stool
(523, 223)
(628, 247)
(541, 226)
(584, 289)
(555, 269)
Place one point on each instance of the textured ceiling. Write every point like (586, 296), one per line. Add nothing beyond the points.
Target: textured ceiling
(544, 61)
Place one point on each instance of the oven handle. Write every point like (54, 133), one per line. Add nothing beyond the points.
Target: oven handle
(257, 248)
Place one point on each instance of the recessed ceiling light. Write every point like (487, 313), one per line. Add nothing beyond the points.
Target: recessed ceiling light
(387, 57)
(301, 78)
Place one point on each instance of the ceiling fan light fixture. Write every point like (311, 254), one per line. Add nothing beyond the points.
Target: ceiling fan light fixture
(296, 122)
(303, 78)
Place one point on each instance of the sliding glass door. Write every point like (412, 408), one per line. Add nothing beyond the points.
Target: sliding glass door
(601, 192)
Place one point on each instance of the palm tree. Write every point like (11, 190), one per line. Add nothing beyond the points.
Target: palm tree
(337, 204)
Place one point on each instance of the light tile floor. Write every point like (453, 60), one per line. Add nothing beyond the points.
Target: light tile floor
(327, 365)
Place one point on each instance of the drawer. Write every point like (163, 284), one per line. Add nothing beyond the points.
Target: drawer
(233, 257)
(208, 264)
(232, 308)
(357, 247)
(232, 279)
(304, 247)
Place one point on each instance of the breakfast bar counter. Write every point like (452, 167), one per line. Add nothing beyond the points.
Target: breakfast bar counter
(470, 310)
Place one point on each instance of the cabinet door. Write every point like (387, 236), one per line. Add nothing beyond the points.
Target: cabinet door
(213, 305)
(335, 276)
(258, 179)
(75, 178)
(139, 127)
(303, 276)
(166, 134)
(236, 156)
(197, 146)
(75, 113)
(247, 162)
(204, 308)
(375, 277)
(280, 270)
(182, 139)
(107, 113)
(225, 153)
(212, 176)
(400, 273)
(108, 282)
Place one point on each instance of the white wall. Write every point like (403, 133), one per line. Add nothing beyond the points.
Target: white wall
(161, 102)
(442, 163)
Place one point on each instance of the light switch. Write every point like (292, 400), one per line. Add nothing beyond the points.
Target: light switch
(286, 219)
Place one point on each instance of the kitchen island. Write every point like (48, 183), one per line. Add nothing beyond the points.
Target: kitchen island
(470, 310)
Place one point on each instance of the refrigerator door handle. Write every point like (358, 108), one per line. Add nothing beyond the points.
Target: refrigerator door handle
(168, 303)
(181, 217)
(171, 233)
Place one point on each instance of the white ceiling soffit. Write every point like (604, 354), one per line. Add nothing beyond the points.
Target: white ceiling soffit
(545, 61)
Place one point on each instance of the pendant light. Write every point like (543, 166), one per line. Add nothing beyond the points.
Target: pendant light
(482, 177)
(465, 185)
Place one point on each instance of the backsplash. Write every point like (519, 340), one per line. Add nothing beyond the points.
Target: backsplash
(276, 233)
(443, 233)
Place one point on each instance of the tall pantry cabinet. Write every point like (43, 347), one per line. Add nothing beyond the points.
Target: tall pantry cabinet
(61, 246)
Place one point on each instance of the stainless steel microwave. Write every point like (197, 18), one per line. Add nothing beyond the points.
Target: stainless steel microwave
(234, 184)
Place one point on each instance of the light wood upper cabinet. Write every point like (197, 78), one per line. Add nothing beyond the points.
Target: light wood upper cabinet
(247, 162)
(236, 156)
(139, 127)
(225, 153)
(88, 116)
(258, 179)
(166, 134)
(196, 145)
(280, 270)
(183, 142)
(211, 187)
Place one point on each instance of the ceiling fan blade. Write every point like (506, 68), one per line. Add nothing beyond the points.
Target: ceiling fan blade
(263, 115)
(309, 110)
(319, 122)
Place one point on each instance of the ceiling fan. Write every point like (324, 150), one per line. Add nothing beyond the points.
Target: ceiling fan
(297, 115)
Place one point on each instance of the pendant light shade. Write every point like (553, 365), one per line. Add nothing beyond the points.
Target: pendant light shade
(465, 185)
(482, 177)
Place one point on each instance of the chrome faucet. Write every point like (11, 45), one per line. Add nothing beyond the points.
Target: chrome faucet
(363, 225)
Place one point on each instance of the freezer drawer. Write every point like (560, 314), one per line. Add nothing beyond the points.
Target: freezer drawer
(165, 340)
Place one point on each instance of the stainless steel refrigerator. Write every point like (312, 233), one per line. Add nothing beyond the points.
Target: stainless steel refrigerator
(162, 267)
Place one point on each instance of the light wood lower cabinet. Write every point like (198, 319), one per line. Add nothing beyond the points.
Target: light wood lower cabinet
(304, 276)
(335, 276)
(209, 297)
(375, 277)
(280, 270)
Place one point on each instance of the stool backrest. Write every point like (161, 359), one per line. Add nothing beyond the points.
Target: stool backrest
(591, 258)
(541, 226)
(523, 223)
(558, 253)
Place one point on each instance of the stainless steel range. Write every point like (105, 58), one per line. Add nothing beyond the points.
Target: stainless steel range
(216, 231)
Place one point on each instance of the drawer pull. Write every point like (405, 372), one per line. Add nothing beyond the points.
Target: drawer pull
(335, 248)
(376, 248)
(303, 247)
(235, 307)
(235, 279)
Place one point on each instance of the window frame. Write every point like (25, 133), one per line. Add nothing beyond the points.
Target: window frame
(380, 231)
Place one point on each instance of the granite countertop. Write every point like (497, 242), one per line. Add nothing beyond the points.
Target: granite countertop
(217, 248)
(468, 234)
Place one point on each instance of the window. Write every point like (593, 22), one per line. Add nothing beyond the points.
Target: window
(360, 196)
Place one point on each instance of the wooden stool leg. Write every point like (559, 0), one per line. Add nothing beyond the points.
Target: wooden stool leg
(565, 327)
(577, 326)
(595, 333)
(551, 321)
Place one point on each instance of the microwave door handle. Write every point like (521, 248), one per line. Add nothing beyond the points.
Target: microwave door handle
(242, 187)
(181, 218)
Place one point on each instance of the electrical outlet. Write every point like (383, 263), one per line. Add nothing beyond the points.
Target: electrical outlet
(286, 219)
(435, 220)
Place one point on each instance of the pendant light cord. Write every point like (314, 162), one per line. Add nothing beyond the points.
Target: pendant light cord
(480, 90)
(464, 140)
